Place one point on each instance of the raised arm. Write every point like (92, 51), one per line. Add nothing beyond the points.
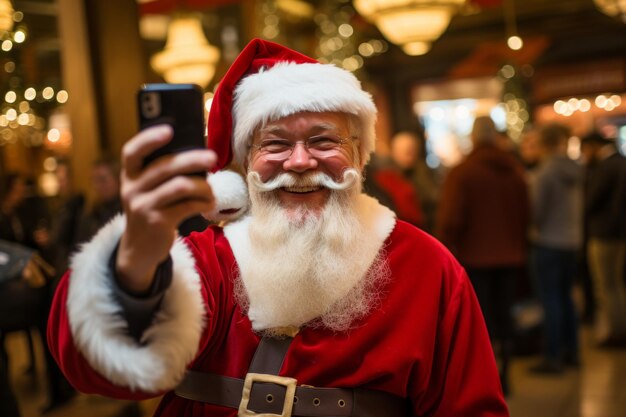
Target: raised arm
(88, 331)
(156, 199)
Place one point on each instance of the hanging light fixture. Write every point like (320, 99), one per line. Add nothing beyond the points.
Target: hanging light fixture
(412, 24)
(188, 57)
(6, 16)
(613, 8)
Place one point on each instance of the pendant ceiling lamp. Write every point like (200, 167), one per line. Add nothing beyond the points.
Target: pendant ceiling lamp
(613, 8)
(6, 16)
(411, 24)
(188, 57)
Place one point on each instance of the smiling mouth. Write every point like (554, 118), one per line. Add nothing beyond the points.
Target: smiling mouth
(301, 190)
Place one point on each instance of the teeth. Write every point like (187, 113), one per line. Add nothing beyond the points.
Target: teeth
(301, 189)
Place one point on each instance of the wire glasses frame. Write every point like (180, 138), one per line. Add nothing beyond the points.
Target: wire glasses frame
(320, 146)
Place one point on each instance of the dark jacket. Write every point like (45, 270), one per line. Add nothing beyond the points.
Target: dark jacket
(557, 204)
(484, 210)
(605, 200)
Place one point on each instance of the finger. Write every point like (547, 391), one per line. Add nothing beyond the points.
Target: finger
(176, 190)
(141, 145)
(181, 163)
(186, 209)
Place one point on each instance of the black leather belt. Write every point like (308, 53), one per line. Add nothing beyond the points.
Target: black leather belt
(281, 396)
(308, 401)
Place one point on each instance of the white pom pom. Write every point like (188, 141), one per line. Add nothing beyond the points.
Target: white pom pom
(231, 196)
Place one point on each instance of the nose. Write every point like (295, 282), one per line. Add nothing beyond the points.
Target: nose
(300, 159)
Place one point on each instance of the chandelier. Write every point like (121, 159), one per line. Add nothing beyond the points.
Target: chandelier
(6, 16)
(188, 57)
(613, 8)
(411, 24)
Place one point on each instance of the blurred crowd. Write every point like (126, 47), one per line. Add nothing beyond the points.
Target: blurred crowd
(529, 224)
(53, 228)
(525, 220)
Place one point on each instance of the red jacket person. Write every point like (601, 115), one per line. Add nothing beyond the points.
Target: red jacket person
(315, 302)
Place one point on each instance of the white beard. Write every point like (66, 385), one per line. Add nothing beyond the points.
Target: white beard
(311, 268)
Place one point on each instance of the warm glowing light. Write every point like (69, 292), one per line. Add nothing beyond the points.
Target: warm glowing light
(50, 164)
(613, 8)
(515, 43)
(297, 8)
(573, 104)
(47, 93)
(617, 100)
(560, 106)
(19, 36)
(416, 48)
(10, 97)
(54, 135)
(405, 22)
(345, 30)
(22, 119)
(62, 96)
(507, 71)
(188, 57)
(352, 63)
(7, 45)
(6, 16)
(601, 101)
(30, 93)
(11, 115)
(366, 49)
(584, 105)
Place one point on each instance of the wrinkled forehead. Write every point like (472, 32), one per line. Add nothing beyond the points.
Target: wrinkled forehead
(309, 123)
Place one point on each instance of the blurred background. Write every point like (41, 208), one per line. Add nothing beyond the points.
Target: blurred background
(70, 70)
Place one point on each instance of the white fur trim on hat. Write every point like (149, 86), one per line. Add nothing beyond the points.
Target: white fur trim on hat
(100, 332)
(288, 88)
(231, 196)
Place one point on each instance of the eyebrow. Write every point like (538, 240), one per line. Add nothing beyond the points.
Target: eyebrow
(313, 130)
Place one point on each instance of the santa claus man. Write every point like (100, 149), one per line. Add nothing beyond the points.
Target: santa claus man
(315, 302)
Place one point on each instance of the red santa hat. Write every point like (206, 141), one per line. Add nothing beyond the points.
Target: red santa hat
(267, 82)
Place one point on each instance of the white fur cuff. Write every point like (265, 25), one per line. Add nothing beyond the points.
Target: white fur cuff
(100, 331)
(231, 196)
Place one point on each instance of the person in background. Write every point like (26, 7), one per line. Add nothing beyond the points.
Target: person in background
(408, 153)
(385, 182)
(23, 220)
(483, 219)
(68, 209)
(105, 202)
(588, 148)
(605, 209)
(347, 308)
(529, 151)
(23, 215)
(557, 233)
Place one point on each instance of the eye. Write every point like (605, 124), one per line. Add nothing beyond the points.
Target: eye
(275, 145)
(323, 142)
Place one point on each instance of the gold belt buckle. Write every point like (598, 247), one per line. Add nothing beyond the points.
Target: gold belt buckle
(288, 383)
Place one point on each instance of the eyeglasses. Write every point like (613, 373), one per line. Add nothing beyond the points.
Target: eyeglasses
(321, 146)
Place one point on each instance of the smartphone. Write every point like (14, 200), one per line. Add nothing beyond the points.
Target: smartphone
(178, 105)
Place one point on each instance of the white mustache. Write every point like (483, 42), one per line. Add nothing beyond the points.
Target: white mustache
(351, 177)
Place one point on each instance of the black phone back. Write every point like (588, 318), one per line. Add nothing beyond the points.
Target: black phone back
(179, 105)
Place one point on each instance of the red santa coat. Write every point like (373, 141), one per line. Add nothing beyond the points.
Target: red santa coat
(425, 341)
